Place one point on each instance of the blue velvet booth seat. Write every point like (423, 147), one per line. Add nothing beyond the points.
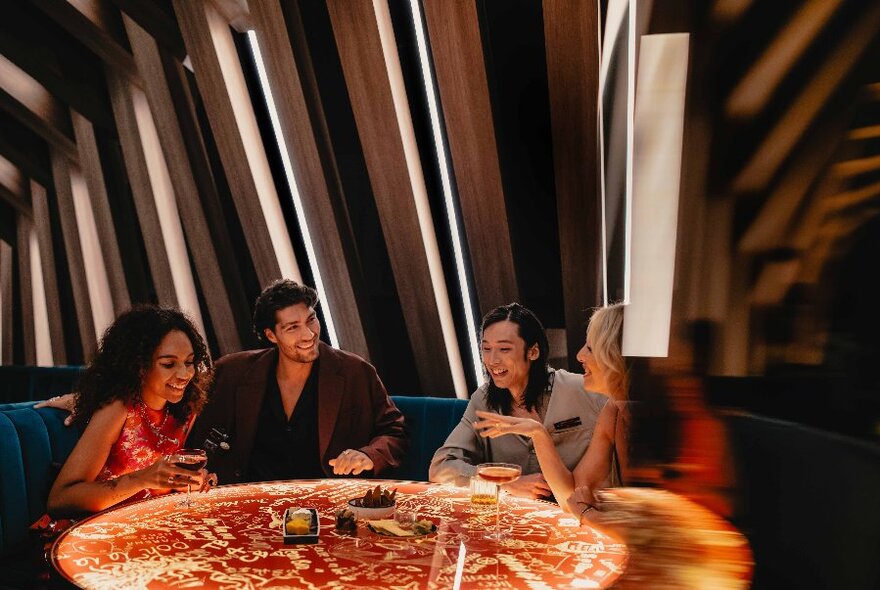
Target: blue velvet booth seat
(35, 443)
(429, 420)
(810, 504)
(24, 384)
(33, 446)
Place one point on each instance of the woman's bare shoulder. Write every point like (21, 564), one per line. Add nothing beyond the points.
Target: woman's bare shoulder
(112, 414)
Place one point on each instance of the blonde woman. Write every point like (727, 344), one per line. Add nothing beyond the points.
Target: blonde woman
(604, 372)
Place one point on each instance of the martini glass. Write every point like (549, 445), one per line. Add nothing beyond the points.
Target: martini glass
(499, 474)
(193, 460)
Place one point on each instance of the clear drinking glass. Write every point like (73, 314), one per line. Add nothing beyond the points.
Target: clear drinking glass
(499, 474)
(193, 460)
(484, 493)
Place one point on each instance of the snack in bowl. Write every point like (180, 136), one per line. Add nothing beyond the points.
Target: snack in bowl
(346, 521)
(301, 525)
(375, 504)
(299, 522)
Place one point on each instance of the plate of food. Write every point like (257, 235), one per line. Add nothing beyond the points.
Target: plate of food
(402, 526)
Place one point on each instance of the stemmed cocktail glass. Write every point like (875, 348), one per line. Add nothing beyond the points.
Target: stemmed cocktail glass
(193, 460)
(499, 474)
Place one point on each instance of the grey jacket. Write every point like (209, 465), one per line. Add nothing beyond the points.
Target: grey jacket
(570, 419)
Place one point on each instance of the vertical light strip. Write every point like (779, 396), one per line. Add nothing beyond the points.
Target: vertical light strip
(440, 150)
(630, 138)
(93, 260)
(601, 125)
(459, 564)
(166, 210)
(291, 183)
(42, 336)
(420, 193)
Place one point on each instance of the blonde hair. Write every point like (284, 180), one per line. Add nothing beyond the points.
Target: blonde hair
(604, 337)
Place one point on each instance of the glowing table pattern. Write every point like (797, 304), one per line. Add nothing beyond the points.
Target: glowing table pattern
(231, 538)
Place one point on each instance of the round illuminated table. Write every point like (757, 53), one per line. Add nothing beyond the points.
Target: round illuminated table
(232, 538)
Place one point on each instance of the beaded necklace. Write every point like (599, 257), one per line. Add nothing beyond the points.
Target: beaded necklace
(157, 430)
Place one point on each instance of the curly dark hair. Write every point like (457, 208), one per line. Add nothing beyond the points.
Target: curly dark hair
(125, 355)
(532, 331)
(278, 295)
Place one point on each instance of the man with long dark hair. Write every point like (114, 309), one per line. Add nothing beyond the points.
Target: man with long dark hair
(521, 384)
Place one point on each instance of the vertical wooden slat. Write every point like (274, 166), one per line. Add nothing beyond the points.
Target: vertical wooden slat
(313, 183)
(572, 47)
(93, 24)
(23, 225)
(207, 263)
(42, 334)
(35, 107)
(13, 187)
(50, 279)
(369, 87)
(457, 50)
(142, 193)
(97, 280)
(6, 312)
(75, 263)
(227, 103)
(90, 162)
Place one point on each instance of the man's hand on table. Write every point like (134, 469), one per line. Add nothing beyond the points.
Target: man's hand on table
(351, 462)
(532, 486)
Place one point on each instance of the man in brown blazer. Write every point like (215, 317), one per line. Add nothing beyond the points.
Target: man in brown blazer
(299, 409)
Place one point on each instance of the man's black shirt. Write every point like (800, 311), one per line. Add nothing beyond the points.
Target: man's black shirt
(287, 449)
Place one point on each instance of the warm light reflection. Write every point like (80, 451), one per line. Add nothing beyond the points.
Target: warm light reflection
(232, 537)
(94, 268)
(294, 188)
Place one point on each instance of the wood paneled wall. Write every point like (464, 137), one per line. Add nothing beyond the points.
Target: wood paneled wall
(148, 114)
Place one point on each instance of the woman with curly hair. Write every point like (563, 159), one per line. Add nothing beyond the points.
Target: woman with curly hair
(605, 372)
(137, 401)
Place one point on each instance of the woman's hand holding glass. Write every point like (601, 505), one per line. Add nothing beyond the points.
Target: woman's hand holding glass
(164, 474)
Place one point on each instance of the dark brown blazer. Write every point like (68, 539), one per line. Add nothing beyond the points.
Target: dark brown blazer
(354, 411)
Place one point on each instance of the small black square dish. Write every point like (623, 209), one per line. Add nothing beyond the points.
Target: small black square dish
(300, 526)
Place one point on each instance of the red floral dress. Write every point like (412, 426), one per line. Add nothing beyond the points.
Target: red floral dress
(146, 436)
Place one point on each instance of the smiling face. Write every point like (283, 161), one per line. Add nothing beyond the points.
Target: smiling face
(604, 367)
(171, 370)
(595, 374)
(296, 332)
(505, 356)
